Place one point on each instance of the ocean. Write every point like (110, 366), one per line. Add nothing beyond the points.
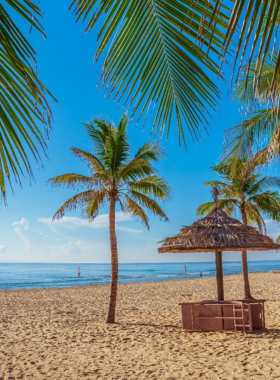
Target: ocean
(30, 276)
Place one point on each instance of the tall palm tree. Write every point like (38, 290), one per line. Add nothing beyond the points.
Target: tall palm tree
(117, 178)
(246, 192)
(23, 97)
(166, 52)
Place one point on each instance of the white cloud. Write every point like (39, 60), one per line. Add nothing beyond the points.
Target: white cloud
(28, 235)
(101, 221)
(37, 247)
(72, 245)
(22, 224)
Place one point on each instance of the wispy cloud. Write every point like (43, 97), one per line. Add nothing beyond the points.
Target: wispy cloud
(101, 221)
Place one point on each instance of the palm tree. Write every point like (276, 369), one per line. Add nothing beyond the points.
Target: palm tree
(23, 97)
(246, 192)
(165, 52)
(115, 177)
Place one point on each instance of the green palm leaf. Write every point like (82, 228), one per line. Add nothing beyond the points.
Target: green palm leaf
(73, 203)
(228, 205)
(156, 48)
(151, 186)
(261, 130)
(245, 87)
(154, 57)
(148, 203)
(23, 98)
(94, 203)
(135, 169)
(136, 211)
(259, 23)
(72, 180)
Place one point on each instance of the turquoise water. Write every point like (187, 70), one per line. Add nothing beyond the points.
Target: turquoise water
(27, 276)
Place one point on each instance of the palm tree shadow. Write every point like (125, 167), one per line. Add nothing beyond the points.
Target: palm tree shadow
(265, 334)
(151, 325)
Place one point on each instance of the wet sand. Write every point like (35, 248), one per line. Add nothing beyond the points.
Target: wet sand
(60, 333)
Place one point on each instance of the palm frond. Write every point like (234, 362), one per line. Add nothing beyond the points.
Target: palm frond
(150, 152)
(220, 184)
(93, 162)
(228, 205)
(93, 203)
(264, 184)
(254, 217)
(110, 143)
(98, 130)
(136, 211)
(134, 170)
(205, 208)
(152, 186)
(23, 97)
(253, 134)
(245, 87)
(258, 20)
(73, 203)
(268, 203)
(117, 147)
(148, 203)
(72, 180)
(156, 55)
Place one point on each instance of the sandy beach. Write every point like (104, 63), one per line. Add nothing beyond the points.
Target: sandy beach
(60, 333)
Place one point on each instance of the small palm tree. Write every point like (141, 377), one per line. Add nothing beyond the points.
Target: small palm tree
(115, 177)
(245, 191)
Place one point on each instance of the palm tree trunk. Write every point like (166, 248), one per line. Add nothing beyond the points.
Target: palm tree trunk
(114, 262)
(247, 292)
(219, 275)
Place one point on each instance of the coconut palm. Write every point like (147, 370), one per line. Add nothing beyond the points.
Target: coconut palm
(166, 52)
(115, 177)
(23, 97)
(247, 192)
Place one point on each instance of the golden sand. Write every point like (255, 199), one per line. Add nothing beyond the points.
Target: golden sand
(60, 334)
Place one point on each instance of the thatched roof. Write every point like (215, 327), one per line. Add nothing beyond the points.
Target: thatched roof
(217, 231)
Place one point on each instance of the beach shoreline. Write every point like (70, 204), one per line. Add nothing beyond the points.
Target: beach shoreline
(138, 282)
(59, 333)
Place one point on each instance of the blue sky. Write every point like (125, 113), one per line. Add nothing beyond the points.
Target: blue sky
(65, 65)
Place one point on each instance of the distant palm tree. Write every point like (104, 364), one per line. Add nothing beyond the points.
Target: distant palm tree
(115, 177)
(23, 97)
(246, 192)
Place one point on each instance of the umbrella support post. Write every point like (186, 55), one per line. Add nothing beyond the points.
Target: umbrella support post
(219, 275)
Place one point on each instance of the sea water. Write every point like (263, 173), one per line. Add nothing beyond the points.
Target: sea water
(27, 276)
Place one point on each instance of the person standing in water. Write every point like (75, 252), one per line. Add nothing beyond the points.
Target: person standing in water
(200, 274)
(186, 269)
(79, 271)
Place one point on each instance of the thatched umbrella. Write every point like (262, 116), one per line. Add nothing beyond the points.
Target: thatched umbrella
(218, 232)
